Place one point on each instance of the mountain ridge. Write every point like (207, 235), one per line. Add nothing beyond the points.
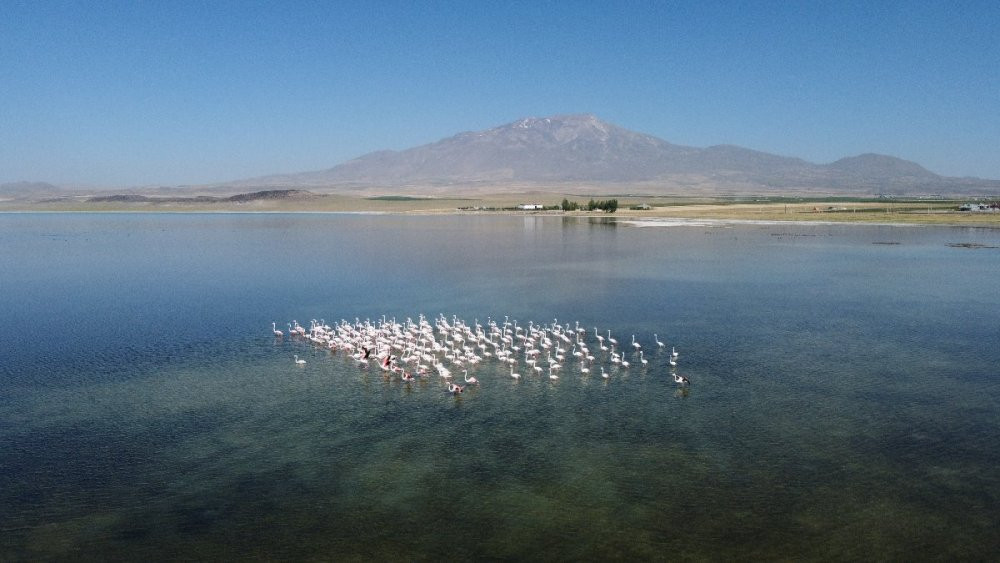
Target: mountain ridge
(582, 148)
(583, 153)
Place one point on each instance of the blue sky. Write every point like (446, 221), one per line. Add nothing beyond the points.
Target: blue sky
(143, 93)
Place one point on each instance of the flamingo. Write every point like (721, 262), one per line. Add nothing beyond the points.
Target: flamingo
(513, 374)
(278, 333)
(611, 340)
(455, 389)
(552, 375)
(644, 361)
(681, 380)
(673, 352)
(604, 374)
(470, 380)
(658, 343)
(298, 361)
(672, 362)
(387, 363)
(407, 377)
(634, 343)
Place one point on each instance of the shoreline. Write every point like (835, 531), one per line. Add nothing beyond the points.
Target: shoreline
(649, 221)
(693, 211)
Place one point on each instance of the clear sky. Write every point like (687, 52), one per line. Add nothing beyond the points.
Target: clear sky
(175, 92)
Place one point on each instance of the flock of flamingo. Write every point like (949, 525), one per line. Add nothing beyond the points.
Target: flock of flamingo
(411, 349)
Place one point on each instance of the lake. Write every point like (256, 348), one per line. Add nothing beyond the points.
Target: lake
(843, 403)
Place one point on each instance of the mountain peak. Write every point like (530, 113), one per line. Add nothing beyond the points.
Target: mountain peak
(558, 120)
(561, 127)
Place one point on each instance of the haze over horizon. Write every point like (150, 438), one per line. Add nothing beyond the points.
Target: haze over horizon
(184, 93)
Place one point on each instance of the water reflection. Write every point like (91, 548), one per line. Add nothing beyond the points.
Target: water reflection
(147, 409)
(609, 222)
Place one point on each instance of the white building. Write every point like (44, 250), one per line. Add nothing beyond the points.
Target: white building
(530, 206)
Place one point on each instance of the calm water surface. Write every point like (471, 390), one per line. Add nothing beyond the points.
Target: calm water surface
(844, 400)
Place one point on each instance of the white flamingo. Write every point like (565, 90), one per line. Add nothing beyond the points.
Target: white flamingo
(442, 371)
(604, 374)
(644, 361)
(681, 380)
(470, 380)
(552, 375)
(514, 374)
(673, 352)
(298, 361)
(612, 341)
(658, 343)
(278, 333)
(455, 389)
(634, 343)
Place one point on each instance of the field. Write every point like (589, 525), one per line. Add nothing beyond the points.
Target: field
(826, 209)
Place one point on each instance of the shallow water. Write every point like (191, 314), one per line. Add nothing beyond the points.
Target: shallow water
(844, 396)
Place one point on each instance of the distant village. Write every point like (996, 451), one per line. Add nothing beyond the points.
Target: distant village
(993, 207)
(608, 206)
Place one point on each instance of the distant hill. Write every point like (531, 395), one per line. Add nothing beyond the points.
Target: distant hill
(877, 166)
(267, 195)
(27, 188)
(584, 149)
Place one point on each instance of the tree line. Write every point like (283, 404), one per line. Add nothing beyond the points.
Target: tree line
(607, 205)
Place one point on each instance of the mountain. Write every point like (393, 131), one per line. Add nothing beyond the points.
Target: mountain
(581, 154)
(559, 149)
(552, 149)
(582, 149)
